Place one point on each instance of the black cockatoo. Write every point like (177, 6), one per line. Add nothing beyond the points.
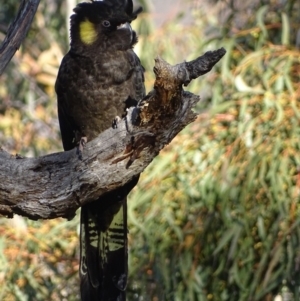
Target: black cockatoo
(99, 78)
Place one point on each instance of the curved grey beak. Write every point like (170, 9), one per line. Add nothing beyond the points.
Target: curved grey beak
(125, 25)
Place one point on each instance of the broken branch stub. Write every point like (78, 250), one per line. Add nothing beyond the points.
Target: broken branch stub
(166, 98)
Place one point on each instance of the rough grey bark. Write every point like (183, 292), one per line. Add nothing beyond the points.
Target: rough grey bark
(56, 185)
(17, 31)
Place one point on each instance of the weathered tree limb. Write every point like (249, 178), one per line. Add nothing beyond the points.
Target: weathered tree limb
(17, 32)
(56, 185)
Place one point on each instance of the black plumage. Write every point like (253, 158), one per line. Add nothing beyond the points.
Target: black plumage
(98, 78)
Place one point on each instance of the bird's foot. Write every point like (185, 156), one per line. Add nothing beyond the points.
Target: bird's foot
(82, 143)
(115, 122)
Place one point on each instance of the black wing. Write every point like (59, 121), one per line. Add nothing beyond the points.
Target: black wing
(104, 251)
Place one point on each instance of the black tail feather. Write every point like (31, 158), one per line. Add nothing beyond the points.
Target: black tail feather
(104, 247)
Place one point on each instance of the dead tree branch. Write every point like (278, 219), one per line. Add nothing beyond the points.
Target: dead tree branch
(56, 185)
(17, 32)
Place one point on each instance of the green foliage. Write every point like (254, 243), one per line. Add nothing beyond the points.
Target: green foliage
(216, 216)
(38, 260)
(28, 118)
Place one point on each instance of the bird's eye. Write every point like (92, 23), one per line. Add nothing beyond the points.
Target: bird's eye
(106, 23)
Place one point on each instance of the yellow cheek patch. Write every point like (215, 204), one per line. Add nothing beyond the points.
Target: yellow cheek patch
(87, 31)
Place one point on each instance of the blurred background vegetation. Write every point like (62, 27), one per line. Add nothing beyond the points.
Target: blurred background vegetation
(217, 214)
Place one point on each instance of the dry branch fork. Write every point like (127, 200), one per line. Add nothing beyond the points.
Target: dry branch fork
(57, 185)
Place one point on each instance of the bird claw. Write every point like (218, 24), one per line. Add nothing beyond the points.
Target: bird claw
(82, 143)
(115, 122)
